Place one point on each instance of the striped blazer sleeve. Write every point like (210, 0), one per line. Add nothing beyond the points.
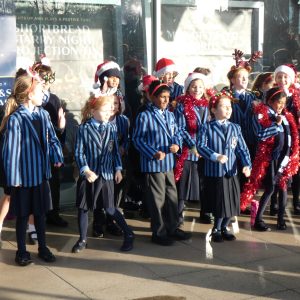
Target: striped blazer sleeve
(79, 154)
(181, 122)
(202, 147)
(117, 162)
(123, 125)
(264, 133)
(12, 152)
(242, 151)
(140, 136)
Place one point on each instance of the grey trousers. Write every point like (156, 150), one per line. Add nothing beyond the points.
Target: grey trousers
(162, 201)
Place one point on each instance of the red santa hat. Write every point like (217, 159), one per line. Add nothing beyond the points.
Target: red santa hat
(147, 79)
(193, 76)
(163, 66)
(288, 69)
(105, 70)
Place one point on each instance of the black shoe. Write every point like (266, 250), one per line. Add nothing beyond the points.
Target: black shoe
(273, 210)
(227, 236)
(261, 226)
(205, 219)
(114, 229)
(216, 236)
(23, 259)
(46, 255)
(32, 241)
(297, 209)
(79, 246)
(98, 233)
(281, 225)
(56, 220)
(127, 243)
(180, 235)
(163, 241)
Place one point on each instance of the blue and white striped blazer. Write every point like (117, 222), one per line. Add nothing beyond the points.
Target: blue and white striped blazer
(244, 118)
(212, 140)
(176, 90)
(153, 133)
(201, 115)
(122, 125)
(26, 159)
(97, 151)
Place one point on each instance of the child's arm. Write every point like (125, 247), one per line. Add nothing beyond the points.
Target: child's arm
(12, 152)
(264, 133)
(140, 135)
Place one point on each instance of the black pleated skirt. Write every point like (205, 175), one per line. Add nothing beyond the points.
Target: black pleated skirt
(99, 194)
(32, 200)
(190, 183)
(221, 196)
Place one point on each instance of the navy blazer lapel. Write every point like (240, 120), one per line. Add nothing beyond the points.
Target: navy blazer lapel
(161, 121)
(217, 128)
(27, 118)
(93, 132)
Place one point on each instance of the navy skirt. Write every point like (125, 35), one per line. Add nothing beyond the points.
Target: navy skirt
(31, 200)
(222, 196)
(99, 194)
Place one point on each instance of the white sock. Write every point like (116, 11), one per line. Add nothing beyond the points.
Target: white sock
(31, 227)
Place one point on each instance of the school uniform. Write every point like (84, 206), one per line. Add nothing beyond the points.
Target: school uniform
(221, 183)
(175, 90)
(156, 130)
(30, 144)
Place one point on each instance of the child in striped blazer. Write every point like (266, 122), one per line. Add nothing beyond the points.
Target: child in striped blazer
(29, 145)
(221, 143)
(98, 159)
(157, 138)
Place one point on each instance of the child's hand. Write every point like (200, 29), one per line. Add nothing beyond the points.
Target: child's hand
(246, 171)
(194, 151)
(90, 176)
(121, 150)
(174, 148)
(159, 155)
(58, 165)
(61, 119)
(278, 120)
(222, 159)
(118, 176)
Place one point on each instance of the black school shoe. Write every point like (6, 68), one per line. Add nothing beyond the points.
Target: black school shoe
(227, 236)
(216, 236)
(162, 241)
(32, 241)
(23, 259)
(261, 226)
(79, 246)
(46, 255)
(180, 235)
(281, 225)
(205, 218)
(98, 233)
(127, 243)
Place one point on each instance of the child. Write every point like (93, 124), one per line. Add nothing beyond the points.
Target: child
(285, 77)
(262, 83)
(277, 157)
(166, 71)
(52, 105)
(99, 162)
(157, 139)
(191, 112)
(221, 143)
(29, 144)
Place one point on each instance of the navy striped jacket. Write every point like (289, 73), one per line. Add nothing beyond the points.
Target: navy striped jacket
(243, 117)
(201, 114)
(26, 159)
(122, 125)
(212, 140)
(153, 133)
(176, 90)
(97, 151)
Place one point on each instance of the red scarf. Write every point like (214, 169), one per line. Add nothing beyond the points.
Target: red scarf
(263, 157)
(188, 103)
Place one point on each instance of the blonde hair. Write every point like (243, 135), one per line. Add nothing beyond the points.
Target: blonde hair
(19, 95)
(94, 103)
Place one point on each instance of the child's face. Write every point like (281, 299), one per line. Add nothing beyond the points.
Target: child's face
(36, 94)
(283, 80)
(240, 80)
(115, 106)
(162, 100)
(196, 88)
(168, 78)
(223, 110)
(278, 105)
(113, 81)
(103, 113)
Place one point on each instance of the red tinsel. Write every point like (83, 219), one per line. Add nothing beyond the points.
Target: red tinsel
(264, 155)
(188, 103)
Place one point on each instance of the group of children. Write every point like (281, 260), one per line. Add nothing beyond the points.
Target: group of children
(194, 144)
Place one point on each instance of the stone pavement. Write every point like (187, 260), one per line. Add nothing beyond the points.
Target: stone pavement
(258, 265)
